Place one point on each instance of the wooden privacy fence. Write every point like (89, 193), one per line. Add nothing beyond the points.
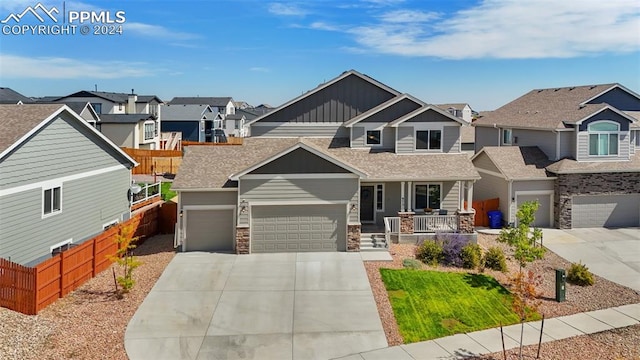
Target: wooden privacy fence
(481, 208)
(231, 140)
(30, 289)
(148, 160)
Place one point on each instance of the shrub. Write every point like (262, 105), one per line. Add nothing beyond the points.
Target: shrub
(452, 246)
(430, 252)
(494, 259)
(411, 264)
(579, 274)
(470, 256)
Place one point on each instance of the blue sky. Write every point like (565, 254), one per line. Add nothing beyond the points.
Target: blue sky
(485, 53)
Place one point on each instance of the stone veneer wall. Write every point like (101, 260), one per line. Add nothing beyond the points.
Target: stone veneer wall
(406, 222)
(242, 240)
(567, 185)
(353, 237)
(466, 222)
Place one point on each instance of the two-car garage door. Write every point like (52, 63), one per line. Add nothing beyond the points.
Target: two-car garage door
(605, 211)
(298, 228)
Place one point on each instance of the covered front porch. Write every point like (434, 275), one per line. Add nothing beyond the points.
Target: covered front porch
(413, 208)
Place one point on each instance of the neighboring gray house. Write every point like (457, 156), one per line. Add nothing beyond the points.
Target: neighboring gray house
(129, 120)
(352, 152)
(61, 181)
(461, 110)
(10, 96)
(590, 136)
(194, 121)
(224, 105)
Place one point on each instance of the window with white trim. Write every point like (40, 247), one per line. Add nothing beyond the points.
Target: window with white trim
(60, 247)
(507, 136)
(427, 196)
(149, 130)
(380, 197)
(429, 140)
(374, 137)
(603, 138)
(51, 201)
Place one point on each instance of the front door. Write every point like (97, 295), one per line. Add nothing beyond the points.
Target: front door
(366, 203)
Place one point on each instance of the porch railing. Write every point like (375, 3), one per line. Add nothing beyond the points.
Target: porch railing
(435, 223)
(147, 192)
(391, 226)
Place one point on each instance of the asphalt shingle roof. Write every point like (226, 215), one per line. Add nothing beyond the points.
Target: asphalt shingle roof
(205, 167)
(124, 118)
(569, 166)
(519, 162)
(204, 100)
(546, 108)
(10, 96)
(17, 120)
(184, 112)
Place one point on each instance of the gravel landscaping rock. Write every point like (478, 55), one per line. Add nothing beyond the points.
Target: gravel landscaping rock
(90, 322)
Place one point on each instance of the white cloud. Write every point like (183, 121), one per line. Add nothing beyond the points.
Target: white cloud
(156, 31)
(408, 16)
(319, 25)
(508, 29)
(286, 9)
(259, 69)
(65, 68)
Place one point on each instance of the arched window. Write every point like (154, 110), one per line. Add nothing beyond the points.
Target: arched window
(603, 138)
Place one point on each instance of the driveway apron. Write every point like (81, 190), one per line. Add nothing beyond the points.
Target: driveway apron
(259, 306)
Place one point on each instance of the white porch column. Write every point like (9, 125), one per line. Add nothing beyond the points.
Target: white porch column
(410, 196)
(462, 185)
(469, 195)
(402, 203)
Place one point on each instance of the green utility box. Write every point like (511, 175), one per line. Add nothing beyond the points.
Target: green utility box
(561, 282)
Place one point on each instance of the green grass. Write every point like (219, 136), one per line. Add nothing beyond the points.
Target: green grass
(166, 192)
(431, 304)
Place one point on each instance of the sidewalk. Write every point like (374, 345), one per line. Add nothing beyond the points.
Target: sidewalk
(489, 341)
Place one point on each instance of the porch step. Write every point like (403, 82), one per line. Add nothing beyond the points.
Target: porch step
(373, 242)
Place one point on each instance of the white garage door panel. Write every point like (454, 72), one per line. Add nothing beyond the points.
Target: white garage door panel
(605, 211)
(296, 228)
(209, 230)
(543, 215)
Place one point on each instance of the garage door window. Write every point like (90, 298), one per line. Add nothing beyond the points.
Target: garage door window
(603, 138)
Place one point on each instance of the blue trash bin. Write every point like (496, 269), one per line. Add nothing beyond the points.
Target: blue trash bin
(495, 219)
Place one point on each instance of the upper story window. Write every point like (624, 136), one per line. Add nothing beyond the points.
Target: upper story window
(374, 137)
(153, 109)
(507, 136)
(149, 130)
(429, 140)
(603, 138)
(51, 201)
(97, 107)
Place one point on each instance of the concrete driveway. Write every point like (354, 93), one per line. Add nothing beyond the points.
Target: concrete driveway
(261, 306)
(611, 253)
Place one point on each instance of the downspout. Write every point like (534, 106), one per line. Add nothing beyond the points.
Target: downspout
(557, 157)
(512, 200)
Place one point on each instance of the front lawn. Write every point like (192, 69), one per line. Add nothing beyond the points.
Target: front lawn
(432, 304)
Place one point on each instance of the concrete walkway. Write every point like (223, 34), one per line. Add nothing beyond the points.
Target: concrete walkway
(488, 341)
(613, 254)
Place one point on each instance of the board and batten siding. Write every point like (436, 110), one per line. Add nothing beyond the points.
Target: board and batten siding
(87, 204)
(55, 151)
(283, 190)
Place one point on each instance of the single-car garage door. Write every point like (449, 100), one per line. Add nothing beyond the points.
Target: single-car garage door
(605, 210)
(209, 230)
(544, 214)
(298, 228)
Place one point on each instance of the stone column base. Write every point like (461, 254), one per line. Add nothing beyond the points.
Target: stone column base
(242, 240)
(466, 222)
(353, 238)
(406, 222)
